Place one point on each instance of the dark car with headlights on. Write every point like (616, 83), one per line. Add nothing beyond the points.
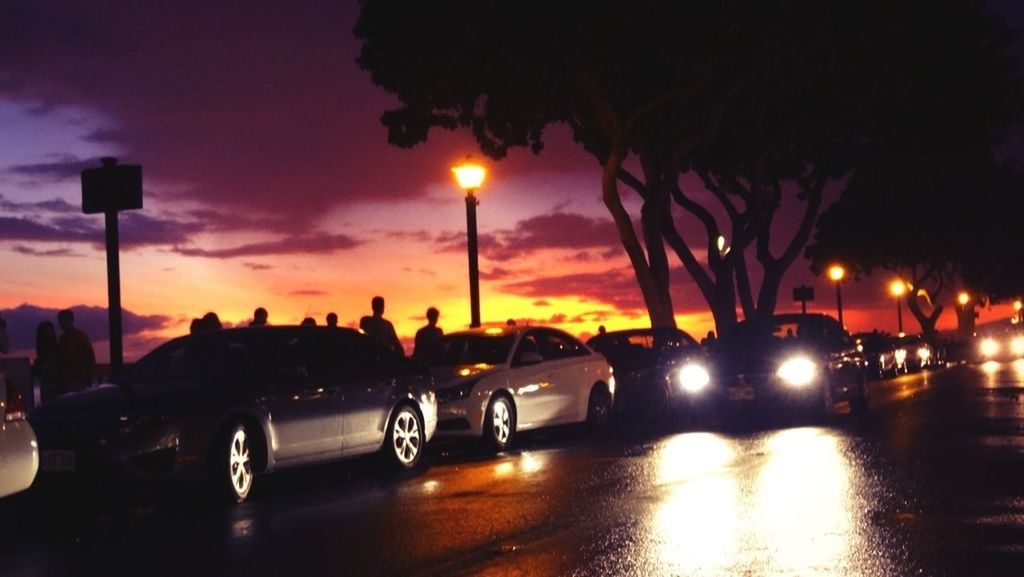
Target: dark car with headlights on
(803, 362)
(884, 356)
(657, 370)
(228, 405)
(920, 354)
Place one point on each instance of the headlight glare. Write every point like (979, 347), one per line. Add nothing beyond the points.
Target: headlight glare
(693, 378)
(1017, 346)
(798, 371)
(989, 347)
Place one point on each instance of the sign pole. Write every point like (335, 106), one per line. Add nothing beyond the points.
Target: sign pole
(114, 293)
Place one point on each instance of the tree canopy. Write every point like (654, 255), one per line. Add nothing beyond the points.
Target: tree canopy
(765, 103)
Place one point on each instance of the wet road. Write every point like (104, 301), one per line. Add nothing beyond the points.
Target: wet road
(931, 483)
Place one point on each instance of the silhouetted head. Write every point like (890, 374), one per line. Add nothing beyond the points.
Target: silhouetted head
(211, 322)
(195, 327)
(432, 315)
(332, 320)
(601, 330)
(66, 319)
(308, 322)
(46, 335)
(259, 317)
(377, 304)
(511, 322)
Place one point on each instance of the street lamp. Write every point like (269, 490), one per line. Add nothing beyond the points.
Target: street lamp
(1017, 306)
(470, 176)
(963, 298)
(836, 273)
(898, 288)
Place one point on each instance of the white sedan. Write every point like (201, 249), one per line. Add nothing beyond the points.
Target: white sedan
(498, 381)
(19, 453)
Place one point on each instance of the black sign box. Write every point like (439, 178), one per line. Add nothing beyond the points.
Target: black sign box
(111, 188)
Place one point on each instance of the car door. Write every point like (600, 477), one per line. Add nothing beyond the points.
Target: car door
(365, 373)
(305, 412)
(569, 373)
(529, 380)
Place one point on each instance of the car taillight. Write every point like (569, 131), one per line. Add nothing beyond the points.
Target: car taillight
(15, 409)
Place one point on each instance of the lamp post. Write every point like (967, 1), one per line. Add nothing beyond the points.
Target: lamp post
(836, 273)
(470, 176)
(898, 288)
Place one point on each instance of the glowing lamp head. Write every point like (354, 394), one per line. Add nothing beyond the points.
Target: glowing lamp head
(1017, 305)
(469, 175)
(693, 378)
(963, 298)
(897, 288)
(798, 371)
(836, 272)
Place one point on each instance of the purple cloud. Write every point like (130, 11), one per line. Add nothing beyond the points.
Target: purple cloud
(23, 320)
(315, 244)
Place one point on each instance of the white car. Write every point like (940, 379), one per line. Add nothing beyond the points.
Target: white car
(495, 382)
(19, 453)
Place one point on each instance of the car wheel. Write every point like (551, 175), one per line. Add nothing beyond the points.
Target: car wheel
(233, 465)
(828, 402)
(500, 423)
(859, 404)
(405, 438)
(599, 407)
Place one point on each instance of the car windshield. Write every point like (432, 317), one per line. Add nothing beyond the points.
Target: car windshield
(805, 330)
(476, 349)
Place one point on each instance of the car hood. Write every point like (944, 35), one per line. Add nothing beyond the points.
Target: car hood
(121, 399)
(444, 376)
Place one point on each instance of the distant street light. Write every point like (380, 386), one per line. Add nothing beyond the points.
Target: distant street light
(897, 288)
(1018, 306)
(836, 273)
(470, 176)
(963, 298)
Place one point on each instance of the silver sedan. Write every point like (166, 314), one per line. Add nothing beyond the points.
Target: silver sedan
(227, 405)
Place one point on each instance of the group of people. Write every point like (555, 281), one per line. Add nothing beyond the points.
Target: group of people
(63, 364)
(428, 345)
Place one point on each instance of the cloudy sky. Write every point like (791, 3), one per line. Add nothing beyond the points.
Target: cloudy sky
(269, 182)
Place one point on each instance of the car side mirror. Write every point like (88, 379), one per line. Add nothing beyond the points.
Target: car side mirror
(530, 358)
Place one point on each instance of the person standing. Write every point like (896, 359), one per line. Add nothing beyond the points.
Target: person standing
(332, 319)
(429, 345)
(75, 358)
(5, 344)
(45, 369)
(380, 328)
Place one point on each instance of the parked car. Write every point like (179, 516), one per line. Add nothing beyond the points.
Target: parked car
(920, 354)
(228, 405)
(19, 456)
(493, 383)
(793, 361)
(649, 364)
(884, 357)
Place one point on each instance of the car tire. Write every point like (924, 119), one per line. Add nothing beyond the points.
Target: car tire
(404, 439)
(859, 404)
(233, 472)
(826, 403)
(500, 423)
(599, 407)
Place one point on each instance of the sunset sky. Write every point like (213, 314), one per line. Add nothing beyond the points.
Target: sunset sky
(269, 182)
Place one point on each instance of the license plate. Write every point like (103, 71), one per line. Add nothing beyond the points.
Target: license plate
(741, 393)
(57, 460)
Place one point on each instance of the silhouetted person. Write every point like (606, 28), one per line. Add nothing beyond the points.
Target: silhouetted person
(209, 323)
(45, 369)
(195, 326)
(259, 317)
(380, 328)
(332, 320)
(5, 344)
(709, 341)
(430, 339)
(76, 360)
(510, 323)
(601, 330)
(308, 322)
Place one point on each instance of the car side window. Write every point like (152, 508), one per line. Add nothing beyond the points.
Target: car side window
(527, 344)
(555, 345)
(169, 363)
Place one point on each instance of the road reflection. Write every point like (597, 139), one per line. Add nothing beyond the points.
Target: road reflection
(779, 503)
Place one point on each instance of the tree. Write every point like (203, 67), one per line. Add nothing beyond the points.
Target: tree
(760, 100)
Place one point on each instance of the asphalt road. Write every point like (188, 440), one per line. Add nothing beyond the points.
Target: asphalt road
(930, 483)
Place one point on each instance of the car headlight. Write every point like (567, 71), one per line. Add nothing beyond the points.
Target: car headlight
(693, 378)
(798, 371)
(1017, 346)
(989, 347)
(901, 356)
(456, 393)
(924, 353)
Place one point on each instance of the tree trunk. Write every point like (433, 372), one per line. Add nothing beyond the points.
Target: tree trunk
(926, 321)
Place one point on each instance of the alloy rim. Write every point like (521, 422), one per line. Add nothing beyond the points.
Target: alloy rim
(501, 421)
(240, 463)
(406, 437)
